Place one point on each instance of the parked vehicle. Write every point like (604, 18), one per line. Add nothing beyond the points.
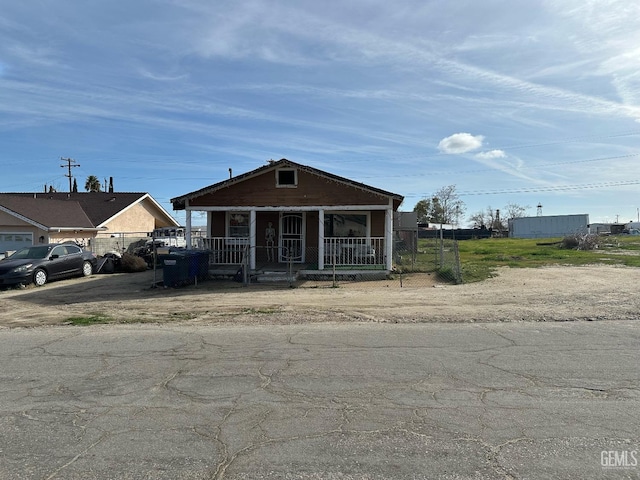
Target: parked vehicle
(40, 263)
(169, 236)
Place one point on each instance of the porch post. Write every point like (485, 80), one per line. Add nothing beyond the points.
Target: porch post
(388, 238)
(188, 225)
(321, 239)
(252, 239)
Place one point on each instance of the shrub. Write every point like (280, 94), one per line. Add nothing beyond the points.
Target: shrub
(447, 274)
(578, 241)
(132, 263)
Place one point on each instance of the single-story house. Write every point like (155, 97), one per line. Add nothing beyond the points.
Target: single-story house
(100, 221)
(285, 213)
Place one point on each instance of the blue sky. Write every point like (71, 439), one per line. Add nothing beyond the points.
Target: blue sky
(527, 102)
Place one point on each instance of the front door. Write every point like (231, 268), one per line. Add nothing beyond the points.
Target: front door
(291, 238)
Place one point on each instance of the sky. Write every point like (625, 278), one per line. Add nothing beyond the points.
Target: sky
(526, 102)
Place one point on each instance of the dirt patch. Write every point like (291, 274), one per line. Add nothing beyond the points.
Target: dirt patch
(542, 294)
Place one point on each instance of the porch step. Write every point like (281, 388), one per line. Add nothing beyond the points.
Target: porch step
(266, 277)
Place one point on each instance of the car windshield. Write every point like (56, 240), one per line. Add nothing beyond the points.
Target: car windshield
(31, 252)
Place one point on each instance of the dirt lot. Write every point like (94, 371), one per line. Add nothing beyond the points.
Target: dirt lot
(514, 295)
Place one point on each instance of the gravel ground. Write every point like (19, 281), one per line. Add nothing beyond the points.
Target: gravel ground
(513, 295)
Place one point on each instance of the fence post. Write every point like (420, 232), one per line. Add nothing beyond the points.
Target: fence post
(441, 248)
(458, 271)
(333, 248)
(245, 266)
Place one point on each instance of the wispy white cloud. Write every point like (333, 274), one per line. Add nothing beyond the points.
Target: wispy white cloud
(333, 83)
(161, 77)
(460, 143)
(38, 55)
(491, 154)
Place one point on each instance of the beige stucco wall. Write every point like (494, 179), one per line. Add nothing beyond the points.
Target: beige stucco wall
(143, 217)
(11, 224)
(135, 219)
(7, 221)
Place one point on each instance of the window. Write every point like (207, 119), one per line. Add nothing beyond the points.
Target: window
(60, 250)
(345, 225)
(286, 178)
(73, 249)
(238, 224)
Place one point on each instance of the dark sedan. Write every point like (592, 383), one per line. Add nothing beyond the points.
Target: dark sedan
(41, 263)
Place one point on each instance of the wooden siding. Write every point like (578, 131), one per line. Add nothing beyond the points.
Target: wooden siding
(311, 190)
(218, 225)
(377, 223)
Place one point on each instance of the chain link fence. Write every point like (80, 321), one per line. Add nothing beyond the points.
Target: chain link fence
(420, 263)
(119, 242)
(417, 262)
(436, 259)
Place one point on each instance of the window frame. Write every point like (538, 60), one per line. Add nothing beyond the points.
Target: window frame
(287, 185)
(229, 226)
(332, 213)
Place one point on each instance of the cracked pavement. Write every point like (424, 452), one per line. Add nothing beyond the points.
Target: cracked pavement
(319, 401)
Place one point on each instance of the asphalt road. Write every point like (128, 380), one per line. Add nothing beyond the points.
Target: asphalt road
(321, 401)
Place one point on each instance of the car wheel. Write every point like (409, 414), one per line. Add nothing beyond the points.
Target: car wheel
(39, 277)
(87, 269)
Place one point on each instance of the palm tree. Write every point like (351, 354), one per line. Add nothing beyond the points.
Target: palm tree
(92, 184)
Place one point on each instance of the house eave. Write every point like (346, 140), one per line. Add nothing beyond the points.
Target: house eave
(76, 229)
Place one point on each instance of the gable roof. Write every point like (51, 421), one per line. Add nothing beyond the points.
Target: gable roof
(46, 214)
(96, 207)
(179, 203)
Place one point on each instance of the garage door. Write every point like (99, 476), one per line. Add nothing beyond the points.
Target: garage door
(15, 241)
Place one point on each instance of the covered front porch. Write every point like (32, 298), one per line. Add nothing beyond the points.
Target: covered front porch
(308, 242)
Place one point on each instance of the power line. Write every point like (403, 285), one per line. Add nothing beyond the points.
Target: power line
(558, 188)
(70, 163)
(480, 170)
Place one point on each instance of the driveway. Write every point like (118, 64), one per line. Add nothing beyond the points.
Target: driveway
(514, 295)
(321, 401)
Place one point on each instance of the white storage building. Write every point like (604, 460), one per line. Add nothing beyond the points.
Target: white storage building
(548, 226)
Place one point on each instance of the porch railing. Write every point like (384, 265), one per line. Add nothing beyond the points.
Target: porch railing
(346, 251)
(226, 250)
(338, 251)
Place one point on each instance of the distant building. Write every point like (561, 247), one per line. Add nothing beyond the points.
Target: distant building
(101, 221)
(548, 226)
(600, 228)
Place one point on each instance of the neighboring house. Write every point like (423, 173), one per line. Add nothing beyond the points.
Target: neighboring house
(548, 226)
(285, 213)
(99, 220)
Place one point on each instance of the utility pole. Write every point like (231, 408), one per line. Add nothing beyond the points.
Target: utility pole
(70, 163)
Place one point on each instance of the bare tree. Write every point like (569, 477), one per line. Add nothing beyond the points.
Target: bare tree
(444, 206)
(490, 219)
(447, 206)
(514, 210)
(482, 218)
